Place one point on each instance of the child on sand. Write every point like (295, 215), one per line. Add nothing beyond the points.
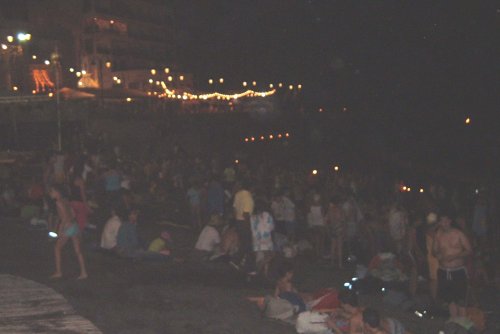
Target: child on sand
(286, 290)
(67, 229)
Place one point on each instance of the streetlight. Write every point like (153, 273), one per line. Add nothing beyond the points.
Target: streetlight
(9, 52)
(22, 37)
(55, 57)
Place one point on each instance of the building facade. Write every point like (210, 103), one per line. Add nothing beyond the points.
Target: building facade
(101, 43)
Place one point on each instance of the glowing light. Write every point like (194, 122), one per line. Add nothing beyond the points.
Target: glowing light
(84, 72)
(114, 78)
(271, 137)
(71, 69)
(221, 80)
(21, 37)
(10, 39)
(108, 64)
(421, 190)
(271, 86)
(254, 83)
(236, 161)
(320, 110)
(467, 120)
(129, 99)
(280, 135)
(170, 78)
(53, 234)
(246, 140)
(210, 81)
(150, 81)
(262, 137)
(80, 83)
(42, 79)
(290, 87)
(46, 62)
(404, 188)
(33, 91)
(15, 88)
(78, 74)
(245, 83)
(167, 70)
(157, 82)
(252, 139)
(280, 85)
(336, 168)
(299, 86)
(153, 72)
(51, 94)
(119, 81)
(4, 47)
(287, 135)
(408, 189)
(181, 78)
(112, 22)
(33, 57)
(315, 172)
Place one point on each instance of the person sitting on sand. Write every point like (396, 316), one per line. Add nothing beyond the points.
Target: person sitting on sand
(109, 236)
(160, 247)
(68, 229)
(229, 244)
(127, 239)
(209, 237)
(349, 317)
(285, 289)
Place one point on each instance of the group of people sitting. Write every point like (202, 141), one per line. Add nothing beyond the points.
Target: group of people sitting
(119, 236)
(326, 310)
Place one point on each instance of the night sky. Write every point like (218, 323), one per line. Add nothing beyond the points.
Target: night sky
(426, 55)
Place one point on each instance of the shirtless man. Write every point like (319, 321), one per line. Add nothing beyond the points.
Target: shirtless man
(451, 247)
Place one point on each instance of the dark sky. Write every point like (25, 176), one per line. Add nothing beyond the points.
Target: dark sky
(398, 53)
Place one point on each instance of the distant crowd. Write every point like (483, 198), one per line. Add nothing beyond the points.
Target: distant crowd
(250, 211)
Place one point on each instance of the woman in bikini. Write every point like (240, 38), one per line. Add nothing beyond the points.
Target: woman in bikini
(68, 229)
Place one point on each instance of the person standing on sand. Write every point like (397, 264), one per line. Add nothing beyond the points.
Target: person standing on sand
(67, 229)
(451, 247)
(243, 206)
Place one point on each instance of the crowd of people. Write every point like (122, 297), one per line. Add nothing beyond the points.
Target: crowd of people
(250, 210)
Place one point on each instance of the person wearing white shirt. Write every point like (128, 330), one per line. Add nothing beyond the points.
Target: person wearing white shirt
(109, 235)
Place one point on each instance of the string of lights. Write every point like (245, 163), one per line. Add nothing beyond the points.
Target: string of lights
(172, 94)
(268, 137)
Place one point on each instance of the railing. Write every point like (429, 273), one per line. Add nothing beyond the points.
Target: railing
(23, 99)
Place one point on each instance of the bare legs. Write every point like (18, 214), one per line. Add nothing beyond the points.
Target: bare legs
(60, 243)
(79, 255)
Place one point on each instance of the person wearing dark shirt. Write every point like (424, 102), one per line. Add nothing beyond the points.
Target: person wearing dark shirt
(128, 240)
